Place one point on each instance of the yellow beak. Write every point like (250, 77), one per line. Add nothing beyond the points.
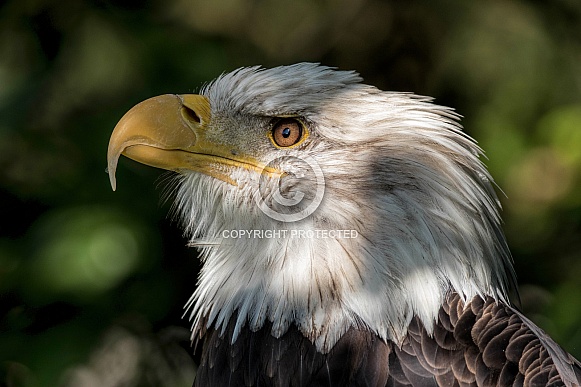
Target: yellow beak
(168, 132)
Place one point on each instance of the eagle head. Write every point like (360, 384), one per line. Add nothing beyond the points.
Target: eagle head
(319, 201)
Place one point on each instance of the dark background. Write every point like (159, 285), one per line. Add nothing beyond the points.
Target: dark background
(92, 282)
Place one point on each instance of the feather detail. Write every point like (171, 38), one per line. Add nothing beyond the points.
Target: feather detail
(502, 348)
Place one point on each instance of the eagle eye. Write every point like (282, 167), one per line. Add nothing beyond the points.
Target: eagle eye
(287, 132)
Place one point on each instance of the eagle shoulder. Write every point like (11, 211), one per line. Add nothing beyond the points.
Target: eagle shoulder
(482, 343)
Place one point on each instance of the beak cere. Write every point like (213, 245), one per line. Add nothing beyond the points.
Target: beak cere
(161, 132)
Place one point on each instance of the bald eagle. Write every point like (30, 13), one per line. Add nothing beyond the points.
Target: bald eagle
(349, 236)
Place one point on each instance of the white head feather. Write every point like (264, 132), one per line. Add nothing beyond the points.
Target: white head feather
(398, 171)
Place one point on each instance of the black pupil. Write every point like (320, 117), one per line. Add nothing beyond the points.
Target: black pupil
(286, 132)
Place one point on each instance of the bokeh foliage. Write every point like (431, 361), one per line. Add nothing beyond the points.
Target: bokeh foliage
(92, 282)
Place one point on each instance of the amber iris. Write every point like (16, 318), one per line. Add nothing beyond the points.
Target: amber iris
(287, 132)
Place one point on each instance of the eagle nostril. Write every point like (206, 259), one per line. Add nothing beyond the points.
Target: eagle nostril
(191, 115)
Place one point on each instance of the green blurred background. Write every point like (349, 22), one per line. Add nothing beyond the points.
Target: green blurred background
(92, 283)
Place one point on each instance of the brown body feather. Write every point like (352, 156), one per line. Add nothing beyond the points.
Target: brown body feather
(483, 343)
